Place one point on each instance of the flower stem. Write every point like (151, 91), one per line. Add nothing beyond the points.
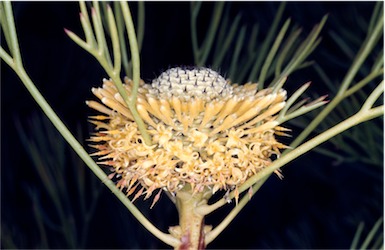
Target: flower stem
(191, 229)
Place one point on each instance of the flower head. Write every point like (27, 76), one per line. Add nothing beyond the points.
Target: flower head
(205, 131)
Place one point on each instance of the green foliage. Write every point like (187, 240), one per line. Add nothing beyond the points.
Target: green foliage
(61, 172)
(373, 240)
(271, 61)
(14, 61)
(361, 143)
(279, 55)
(96, 45)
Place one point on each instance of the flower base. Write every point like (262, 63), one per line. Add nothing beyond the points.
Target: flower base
(191, 230)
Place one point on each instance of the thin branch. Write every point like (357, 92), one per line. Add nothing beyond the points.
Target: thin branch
(377, 92)
(102, 54)
(361, 56)
(86, 25)
(122, 41)
(211, 33)
(272, 52)
(303, 51)
(371, 234)
(77, 147)
(4, 24)
(292, 99)
(284, 54)
(361, 116)
(100, 35)
(357, 235)
(7, 58)
(134, 50)
(229, 218)
(266, 43)
(303, 110)
(369, 44)
(237, 51)
(115, 40)
(141, 23)
(224, 46)
(363, 82)
(80, 42)
(136, 72)
(14, 44)
(195, 7)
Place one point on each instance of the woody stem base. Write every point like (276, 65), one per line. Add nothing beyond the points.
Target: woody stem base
(191, 230)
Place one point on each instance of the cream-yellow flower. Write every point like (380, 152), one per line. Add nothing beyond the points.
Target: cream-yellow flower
(205, 131)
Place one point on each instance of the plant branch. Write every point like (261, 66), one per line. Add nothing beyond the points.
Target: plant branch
(201, 52)
(12, 36)
(377, 92)
(293, 98)
(207, 44)
(371, 234)
(122, 42)
(302, 52)
(229, 218)
(4, 25)
(237, 51)
(134, 51)
(284, 53)
(363, 82)
(7, 58)
(100, 35)
(114, 39)
(266, 43)
(141, 23)
(272, 52)
(77, 147)
(101, 53)
(195, 7)
(136, 71)
(222, 47)
(366, 113)
(368, 45)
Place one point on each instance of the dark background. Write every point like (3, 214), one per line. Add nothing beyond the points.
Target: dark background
(318, 204)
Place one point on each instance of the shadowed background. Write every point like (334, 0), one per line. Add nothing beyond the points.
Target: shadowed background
(318, 204)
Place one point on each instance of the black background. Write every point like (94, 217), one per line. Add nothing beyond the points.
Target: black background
(317, 205)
